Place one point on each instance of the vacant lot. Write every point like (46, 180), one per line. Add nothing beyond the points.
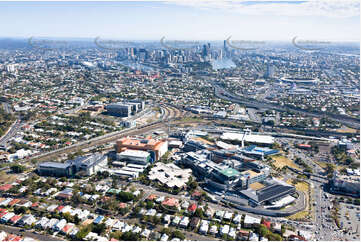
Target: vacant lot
(346, 130)
(280, 161)
(256, 186)
(299, 216)
(324, 165)
(300, 186)
(7, 178)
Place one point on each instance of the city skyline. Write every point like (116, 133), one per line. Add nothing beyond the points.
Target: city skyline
(184, 20)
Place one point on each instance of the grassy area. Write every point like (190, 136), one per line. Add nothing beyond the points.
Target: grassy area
(7, 178)
(303, 187)
(324, 165)
(280, 161)
(299, 215)
(256, 186)
(203, 140)
(300, 186)
(346, 130)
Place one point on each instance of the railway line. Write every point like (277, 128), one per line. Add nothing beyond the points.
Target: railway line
(169, 114)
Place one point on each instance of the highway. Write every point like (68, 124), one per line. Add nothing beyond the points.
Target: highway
(14, 128)
(7, 107)
(325, 228)
(226, 95)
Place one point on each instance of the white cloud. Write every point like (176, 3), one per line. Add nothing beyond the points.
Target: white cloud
(326, 8)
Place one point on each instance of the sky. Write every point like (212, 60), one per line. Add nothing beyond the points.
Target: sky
(328, 20)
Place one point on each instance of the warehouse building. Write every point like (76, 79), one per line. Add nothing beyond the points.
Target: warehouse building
(264, 140)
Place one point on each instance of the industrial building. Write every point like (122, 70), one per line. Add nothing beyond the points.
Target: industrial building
(248, 137)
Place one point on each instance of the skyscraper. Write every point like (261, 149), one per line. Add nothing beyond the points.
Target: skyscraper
(225, 49)
(270, 71)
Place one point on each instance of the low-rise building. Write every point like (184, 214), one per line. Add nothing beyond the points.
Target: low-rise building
(250, 221)
(170, 175)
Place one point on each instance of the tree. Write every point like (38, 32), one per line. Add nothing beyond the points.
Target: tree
(192, 185)
(178, 234)
(166, 231)
(130, 236)
(99, 228)
(156, 220)
(17, 168)
(125, 196)
(274, 237)
(330, 168)
(83, 232)
(199, 213)
(149, 204)
(20, 210)
(262, 230)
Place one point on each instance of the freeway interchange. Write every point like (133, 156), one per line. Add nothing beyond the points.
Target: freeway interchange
(226, 95)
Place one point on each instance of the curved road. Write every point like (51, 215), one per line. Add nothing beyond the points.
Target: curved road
(226, 95)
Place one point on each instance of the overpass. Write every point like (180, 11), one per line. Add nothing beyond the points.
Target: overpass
(307, 173)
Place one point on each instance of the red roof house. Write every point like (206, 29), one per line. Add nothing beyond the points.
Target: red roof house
(192, 208)
(170, 202)
(5, 187)
(267, 224)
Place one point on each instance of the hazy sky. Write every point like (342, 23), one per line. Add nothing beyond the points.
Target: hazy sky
(184, 20)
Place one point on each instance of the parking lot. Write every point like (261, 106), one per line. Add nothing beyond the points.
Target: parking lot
(350, 220)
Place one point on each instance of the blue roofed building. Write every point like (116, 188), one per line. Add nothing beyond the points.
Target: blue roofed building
(98, 219)
(258, 152)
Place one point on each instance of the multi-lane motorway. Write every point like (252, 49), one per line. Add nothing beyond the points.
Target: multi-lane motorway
(226, 95)
(14, 128)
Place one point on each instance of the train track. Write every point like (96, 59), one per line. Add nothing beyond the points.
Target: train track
(98, 141)
(169, 114)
